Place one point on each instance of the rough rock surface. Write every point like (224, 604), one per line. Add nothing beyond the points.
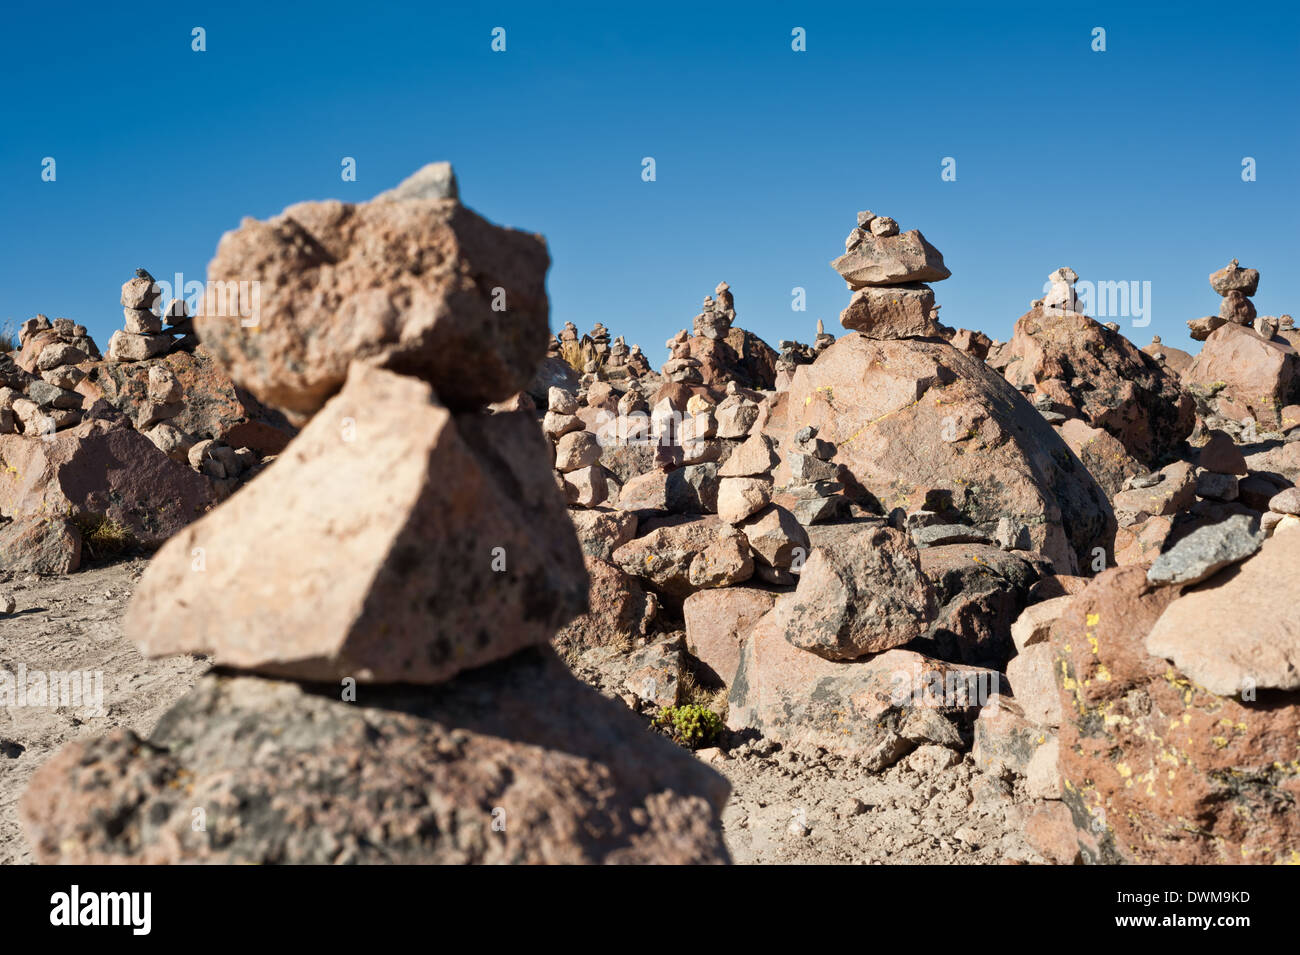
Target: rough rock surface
(421, 286)
(1254, 377)
(449, 499)
(39, 545)
(861, 594)
(1102, 376)
(895, 311)
(1239, 631)
(101, 470)
(214, 406)
(516, 763)
(1206, 550)
(875, 710)
(980, 591)
(918, 421)
(1156, 768)
(891, 260)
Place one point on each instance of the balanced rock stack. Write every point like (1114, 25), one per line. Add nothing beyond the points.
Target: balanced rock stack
(814, 492)
(680, 366)
(577, 451)
(179, 321)
(887, 271)
(407, 535)
(1176, 359)
(142, 337)
(1060, 293)
(596, 344)
(717, 351)
(637, 363)
(1248, 370)
(715, 318)
(1083, 375)
(39, 387)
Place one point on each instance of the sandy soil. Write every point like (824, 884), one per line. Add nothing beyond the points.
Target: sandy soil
(933, 807)
(74, 623)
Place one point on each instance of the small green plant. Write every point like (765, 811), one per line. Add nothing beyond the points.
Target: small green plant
(691, 725)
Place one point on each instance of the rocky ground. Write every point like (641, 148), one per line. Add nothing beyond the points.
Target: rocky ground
(932, 807)
(808, 806)
(74, 622)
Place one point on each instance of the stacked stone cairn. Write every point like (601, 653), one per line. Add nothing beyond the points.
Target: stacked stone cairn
(44, 400)
(380, 597)
(680, 366)
(815, 486)
(1236, 286)
(576, 453)
(716, 316)
(142, 336)
(794, 353)
(887, 271)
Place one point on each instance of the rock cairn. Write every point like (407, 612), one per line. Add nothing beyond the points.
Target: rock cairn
(716, 316)
(1248, 371)
(815, 487)
(1060, 293)
(358, 589)
(887, 271)
(1076, 369)
(38, 390)
(1236, 286)
(595, 354)
(142, 336)
(680, 366)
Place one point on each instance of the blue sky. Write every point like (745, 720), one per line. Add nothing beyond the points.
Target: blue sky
(1125, 165)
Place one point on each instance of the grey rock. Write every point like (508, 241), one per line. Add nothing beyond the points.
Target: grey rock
(437, 180)
(693, 489)
(1207, 550)
(806, 469)
(1216, 487)
(51, 396)
(935, 535)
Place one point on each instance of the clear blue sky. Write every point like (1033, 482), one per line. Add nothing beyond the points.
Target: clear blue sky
(1125, 165)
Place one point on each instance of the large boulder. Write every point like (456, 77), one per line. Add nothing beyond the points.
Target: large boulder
(1156, 767)
(874, 710)
(1252, 377)
(680, 555)
(920, 424)
(891, 260)
(980, 591)
(894, 311)
(1087, 369)
(1103, 454)
(1238, 631)
(101, 471)
(859, 594)
(40, 545)
(514, 763)
(456, 544)
(717, 625)
(423, 286)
